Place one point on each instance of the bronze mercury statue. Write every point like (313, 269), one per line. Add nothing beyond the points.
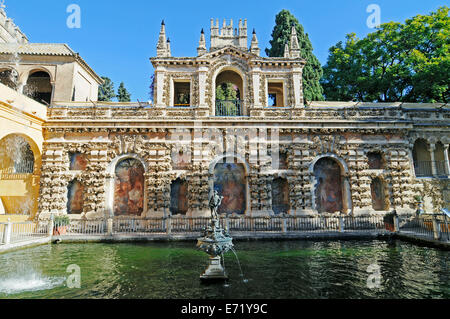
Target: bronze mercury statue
(214, 204)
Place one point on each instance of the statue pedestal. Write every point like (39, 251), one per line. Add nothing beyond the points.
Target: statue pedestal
(215, 271)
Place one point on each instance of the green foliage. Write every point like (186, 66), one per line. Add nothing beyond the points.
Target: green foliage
(61, 220)
(407, 62)
(122, 93)
(227, 91)
(281, 35)
(106, 90)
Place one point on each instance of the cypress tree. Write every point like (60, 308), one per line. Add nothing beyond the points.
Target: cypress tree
(106, 90)
(122, 94)
(312, 73)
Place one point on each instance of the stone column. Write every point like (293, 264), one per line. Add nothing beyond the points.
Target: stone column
(256, 77)
(202, 71)
(297, 86)
(433, 163)
(159, 89)
(447, 162)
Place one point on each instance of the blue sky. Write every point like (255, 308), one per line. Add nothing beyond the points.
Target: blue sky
(117, 38)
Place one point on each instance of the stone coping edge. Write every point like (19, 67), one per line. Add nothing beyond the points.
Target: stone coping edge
(24, 244)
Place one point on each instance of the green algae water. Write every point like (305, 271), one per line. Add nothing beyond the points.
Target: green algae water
(288, 270)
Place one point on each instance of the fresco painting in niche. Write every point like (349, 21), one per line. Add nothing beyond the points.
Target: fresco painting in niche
(178, 197)
(377, 194)
(78, 162)
(129, 188)
(280, 196)
(230, 182)
(329, 186)
(375, 161)
(75, 198)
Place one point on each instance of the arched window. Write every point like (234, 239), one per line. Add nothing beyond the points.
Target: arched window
(39, 87)
(422, 158)
(230, 181)
(9, 78)
(75, 201)
(329, 186)
(129, 188)
(178, 197)
(280, 196)
(378, 196)
(229, 90)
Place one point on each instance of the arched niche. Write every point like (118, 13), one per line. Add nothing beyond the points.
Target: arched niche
(375, 160)
(229, 179)
(39, 86)
(178, 197)
(75, 197)
(377, 189)
(280, 196)
(331, 188)
(126, 186)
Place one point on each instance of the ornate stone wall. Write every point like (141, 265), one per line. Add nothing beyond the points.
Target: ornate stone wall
(104, 147)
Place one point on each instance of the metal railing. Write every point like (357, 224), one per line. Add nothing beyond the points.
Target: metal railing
(13, 232)
(279, 224)
(430, 226)
(424, 168)
(228, 108)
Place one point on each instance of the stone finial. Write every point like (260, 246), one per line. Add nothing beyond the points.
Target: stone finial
(202, 44)
(294, 46)
(254, 45)
(286, 51)
(168, 47)
(163, 46)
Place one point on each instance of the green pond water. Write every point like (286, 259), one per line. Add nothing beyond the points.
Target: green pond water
(289, 269)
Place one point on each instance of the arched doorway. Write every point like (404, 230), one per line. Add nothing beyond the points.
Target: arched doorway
(331, 187)
(39, 87)
(178, 197)
(129, 187)
(18, 187)
(230, 181)
(229, 91)
(280, 196)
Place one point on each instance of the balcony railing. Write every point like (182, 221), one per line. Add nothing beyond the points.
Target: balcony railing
(424, 168)
(228, 108)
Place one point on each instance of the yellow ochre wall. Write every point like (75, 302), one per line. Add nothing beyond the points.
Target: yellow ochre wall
(20, 115)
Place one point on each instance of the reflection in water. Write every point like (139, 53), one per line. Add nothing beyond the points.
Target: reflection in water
(292, 270)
